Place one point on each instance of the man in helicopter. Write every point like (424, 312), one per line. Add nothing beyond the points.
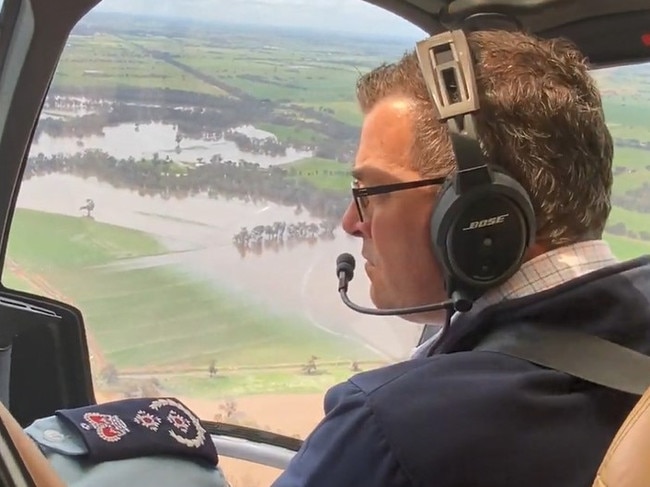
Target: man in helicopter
(454, 415)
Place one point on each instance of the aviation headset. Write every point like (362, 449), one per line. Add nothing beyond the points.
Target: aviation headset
(484, 221)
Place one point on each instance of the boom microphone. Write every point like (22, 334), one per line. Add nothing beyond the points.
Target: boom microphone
(345, 264)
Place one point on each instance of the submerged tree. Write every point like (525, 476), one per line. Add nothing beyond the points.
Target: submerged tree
(89, 207)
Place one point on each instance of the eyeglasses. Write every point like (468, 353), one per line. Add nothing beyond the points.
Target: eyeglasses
(360, 194)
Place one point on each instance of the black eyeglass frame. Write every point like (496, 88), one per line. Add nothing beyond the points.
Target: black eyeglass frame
(363, 192)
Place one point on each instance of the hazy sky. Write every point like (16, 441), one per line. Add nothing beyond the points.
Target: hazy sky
(345, 15)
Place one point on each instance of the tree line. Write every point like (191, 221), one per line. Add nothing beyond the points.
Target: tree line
(246, 181)
(196, 115)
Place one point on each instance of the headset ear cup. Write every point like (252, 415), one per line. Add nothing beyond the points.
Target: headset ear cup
(480, 238)
(521, 198)
(440, 224)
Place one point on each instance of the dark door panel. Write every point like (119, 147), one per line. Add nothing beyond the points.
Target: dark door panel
(44, 344)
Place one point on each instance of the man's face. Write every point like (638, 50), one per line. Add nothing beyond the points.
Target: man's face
(395, 227)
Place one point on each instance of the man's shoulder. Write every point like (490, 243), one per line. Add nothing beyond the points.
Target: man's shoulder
(445, 368)
(445, 387)
(458, 418)
(481, 408)
(413, 404)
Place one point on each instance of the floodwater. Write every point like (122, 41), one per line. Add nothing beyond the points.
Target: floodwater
(123, 141)
(198, 232)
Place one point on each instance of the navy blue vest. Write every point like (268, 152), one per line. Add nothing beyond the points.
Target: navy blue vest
(463, 418)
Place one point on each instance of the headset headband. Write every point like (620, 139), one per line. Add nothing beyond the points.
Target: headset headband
(446, 63)
(483, 221)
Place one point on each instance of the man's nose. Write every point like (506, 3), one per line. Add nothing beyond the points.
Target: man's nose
(351, 222)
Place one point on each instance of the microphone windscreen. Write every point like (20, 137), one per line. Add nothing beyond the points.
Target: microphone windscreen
(345, 263)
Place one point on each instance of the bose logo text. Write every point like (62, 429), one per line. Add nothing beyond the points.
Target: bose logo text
(488, 222)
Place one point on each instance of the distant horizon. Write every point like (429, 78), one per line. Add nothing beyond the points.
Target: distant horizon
(341, 16)
(386, 26)
(316, 29)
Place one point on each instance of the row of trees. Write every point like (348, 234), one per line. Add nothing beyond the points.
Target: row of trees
(198, 116)
(637, 199)
(228, 179)
(280, 235)
(621, 229)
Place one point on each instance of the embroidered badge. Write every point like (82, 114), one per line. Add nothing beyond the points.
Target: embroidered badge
(107, 426)
(178, 421)
(182, 422)
(147, 420)
(130, 428)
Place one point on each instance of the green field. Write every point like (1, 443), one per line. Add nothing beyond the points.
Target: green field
(289, 135)
(322, 173)
(630, 111)
(13, 281)
(158, 316)
(627, 248)
(108, 61)
(263, 382)
(285, 69)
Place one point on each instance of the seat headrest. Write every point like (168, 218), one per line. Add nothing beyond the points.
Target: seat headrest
(626, 461)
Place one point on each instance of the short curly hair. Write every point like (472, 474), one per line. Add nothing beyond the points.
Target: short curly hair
(541, 119)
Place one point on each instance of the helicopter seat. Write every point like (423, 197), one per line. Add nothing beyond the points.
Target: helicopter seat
(626, 461)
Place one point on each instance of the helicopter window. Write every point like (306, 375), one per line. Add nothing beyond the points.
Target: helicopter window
(626, 101)
(184, 189)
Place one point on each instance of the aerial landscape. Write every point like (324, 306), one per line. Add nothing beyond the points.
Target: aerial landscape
(184, 190)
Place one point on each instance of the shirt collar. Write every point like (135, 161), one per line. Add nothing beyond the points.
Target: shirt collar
(543, 272)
